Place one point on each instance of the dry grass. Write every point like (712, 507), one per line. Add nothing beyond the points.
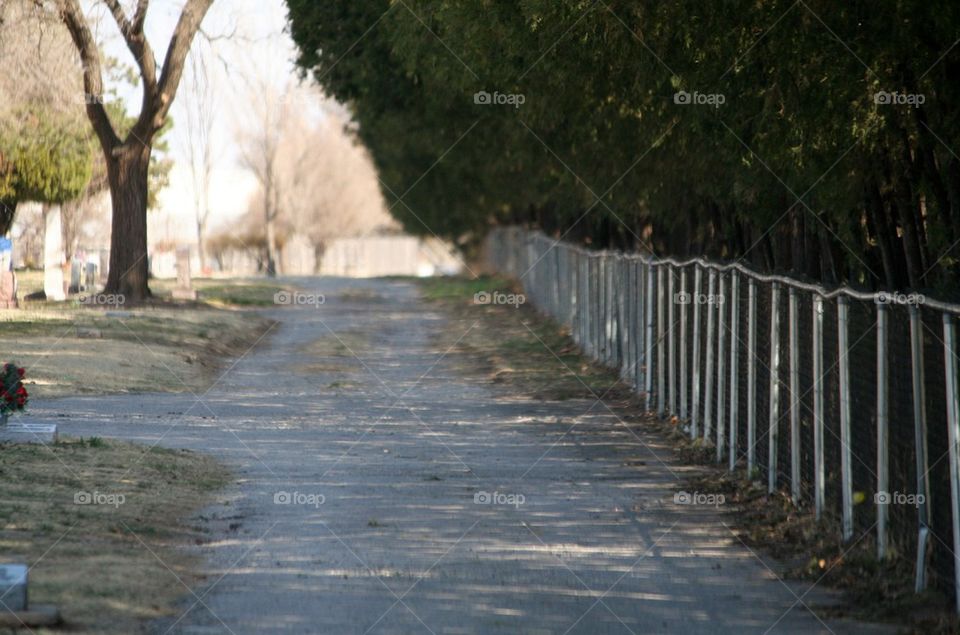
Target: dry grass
(517, 346)
(107, 567)
(69, 349)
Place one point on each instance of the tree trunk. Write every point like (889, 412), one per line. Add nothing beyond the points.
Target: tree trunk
(127, 169)
(202, 254)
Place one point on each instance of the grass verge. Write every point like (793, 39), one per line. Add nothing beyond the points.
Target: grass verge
(109, 567)
(69, 348)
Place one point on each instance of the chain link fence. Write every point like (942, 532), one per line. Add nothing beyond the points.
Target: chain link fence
(846, 400)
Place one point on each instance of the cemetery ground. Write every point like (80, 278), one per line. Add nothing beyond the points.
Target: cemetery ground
(100, 573)
(398, 406)
(71, 348)
(370, 443)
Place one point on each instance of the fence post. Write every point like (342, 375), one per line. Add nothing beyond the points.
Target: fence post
(649, 353)
(641, 323)
(695, 357)
(953, 436)
(630, 322)
(720, 300)
(684, 301)
(794, 400)
(920, 441)
(846, 475)
(818, 465)
(773, 430)
(661, 392)
(623, 308)
(734, 366)
(708, 387)
(671, 343)
(751, 376)
(883, 431)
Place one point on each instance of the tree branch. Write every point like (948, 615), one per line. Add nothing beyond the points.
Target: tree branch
(138, 45)
(76, 24)
(187, 27)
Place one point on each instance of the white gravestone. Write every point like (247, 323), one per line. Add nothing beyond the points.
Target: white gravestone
(53, 256)
(184, 289)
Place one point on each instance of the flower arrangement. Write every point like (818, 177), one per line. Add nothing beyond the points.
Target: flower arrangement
(13, 396)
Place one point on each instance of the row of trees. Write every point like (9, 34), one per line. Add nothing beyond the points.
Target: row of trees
(815, 137)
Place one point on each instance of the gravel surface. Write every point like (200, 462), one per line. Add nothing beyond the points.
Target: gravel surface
(384, 487)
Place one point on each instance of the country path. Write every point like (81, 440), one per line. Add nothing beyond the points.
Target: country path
(383, 442)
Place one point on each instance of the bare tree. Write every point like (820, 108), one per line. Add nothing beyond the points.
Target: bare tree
(128, 158)
(323, 184)
(259, 153)
(197, 129)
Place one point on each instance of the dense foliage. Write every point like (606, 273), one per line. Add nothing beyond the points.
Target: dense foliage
(44, 157)
(803, 147)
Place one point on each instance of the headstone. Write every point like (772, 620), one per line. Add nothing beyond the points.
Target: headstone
(184, 289)
(8, 290)
(6, 254)
(90, 275)
(15, 612)
(45, 433)
(103, 265)
(13, 586)
(53, 256)
(75, 268)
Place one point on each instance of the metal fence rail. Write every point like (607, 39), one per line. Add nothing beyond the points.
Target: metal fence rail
(846, 400)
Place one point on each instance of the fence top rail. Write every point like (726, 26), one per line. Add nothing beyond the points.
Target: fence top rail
(827, 294)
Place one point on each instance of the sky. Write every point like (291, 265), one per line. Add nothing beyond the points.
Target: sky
(247, 44)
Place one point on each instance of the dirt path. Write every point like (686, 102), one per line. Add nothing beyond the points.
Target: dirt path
(387, 446)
